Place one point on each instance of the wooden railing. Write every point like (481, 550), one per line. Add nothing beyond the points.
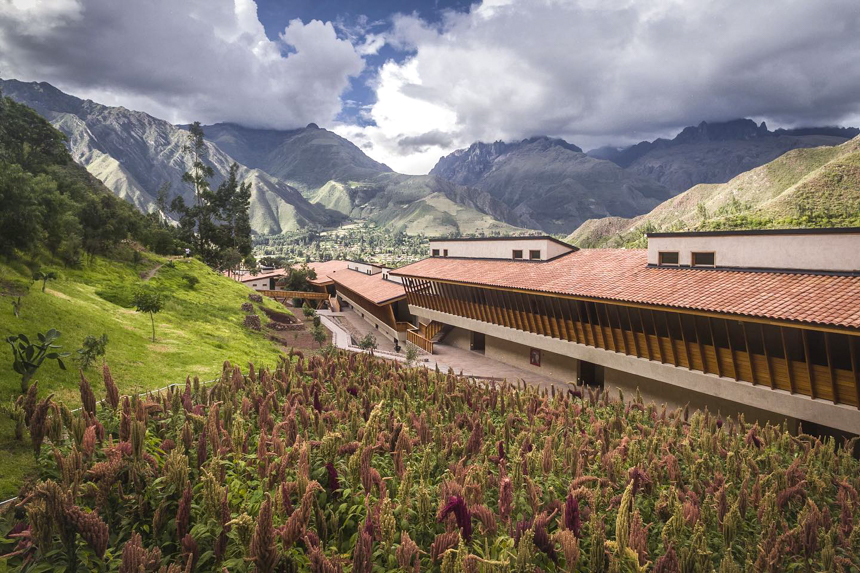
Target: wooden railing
(285, 294)
(431, 330)
(801, 360)
(413, 337)
(401, 326)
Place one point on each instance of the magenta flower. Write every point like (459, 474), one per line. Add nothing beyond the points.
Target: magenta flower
(457, 506)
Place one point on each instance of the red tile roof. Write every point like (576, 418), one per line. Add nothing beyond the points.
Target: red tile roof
(623, 275)
(268, 274)
(323, 270)
(372, 287)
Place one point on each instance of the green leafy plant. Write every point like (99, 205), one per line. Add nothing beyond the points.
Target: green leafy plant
(411, 354)
(44, 276)
(318, 333)
(28, 356)
(368, 343)
(150, 302)
(308, 311)
(91, 349)
(191, 281)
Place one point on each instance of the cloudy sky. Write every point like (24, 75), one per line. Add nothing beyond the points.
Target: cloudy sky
(411, 80)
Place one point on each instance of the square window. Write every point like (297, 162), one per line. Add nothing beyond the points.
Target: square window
(668, 258)
(704, 260)
(518, 254)
(534, 255)
(435, 252)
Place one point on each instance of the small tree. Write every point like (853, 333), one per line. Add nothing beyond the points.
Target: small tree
(411, 354)
(44, 277)
(308, 311)
(28, 357)
(368, 343)
(91, 349)
(151, 302)
(318, 333)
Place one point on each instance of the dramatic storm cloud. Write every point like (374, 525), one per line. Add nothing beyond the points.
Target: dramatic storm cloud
(598, 72)
(181, 60)
(409, 88)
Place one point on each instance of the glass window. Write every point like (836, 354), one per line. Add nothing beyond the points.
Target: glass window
(518, 254)
(534, 255)
(668, 258)
(703, 259)
(435, 252)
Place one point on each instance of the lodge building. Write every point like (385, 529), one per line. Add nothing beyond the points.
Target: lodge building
(761, 322)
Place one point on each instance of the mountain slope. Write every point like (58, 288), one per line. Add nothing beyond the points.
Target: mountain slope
(716, 152)
(802, 188)
(304, 158)
(134, 154)
(418, 204)
(550, 184)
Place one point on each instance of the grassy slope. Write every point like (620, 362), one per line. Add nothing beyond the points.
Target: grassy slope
(803, 188)
(197, 330)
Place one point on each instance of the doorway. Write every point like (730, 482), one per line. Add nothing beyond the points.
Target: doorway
(477, 342)
(590, 374)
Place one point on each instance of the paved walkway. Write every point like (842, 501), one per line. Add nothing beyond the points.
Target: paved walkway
(348, 324)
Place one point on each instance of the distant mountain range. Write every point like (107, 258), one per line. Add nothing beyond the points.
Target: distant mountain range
(311, 177)
(551, 184)
(716, 152)
(134, 154)
(802, 188)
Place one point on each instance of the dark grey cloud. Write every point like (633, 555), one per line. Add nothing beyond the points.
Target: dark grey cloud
(425, 141)
(614, 72)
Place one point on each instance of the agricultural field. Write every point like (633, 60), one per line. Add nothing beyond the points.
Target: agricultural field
(200, 325)
(344, 462)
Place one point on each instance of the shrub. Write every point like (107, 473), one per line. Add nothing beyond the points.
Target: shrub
(91, 349)
(319, 334)
(411, 354)
(308, 311)
(191, 281)
(368, 343)
(347, 459)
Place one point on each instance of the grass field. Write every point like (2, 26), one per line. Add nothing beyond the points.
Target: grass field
(197, 330)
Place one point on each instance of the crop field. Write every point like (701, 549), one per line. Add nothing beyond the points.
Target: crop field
(344, 462)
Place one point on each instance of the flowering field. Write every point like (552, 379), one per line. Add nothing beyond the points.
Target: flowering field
(349, 463)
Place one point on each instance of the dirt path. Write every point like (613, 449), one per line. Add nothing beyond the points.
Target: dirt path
(150, 273)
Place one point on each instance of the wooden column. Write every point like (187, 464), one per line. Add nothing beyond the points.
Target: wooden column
(657, 336)
(716, 349)
(749, 353)
(671, 340)
(855, 367)
(633, 332)
(645, 334)
(766, 356)
(700, 345)
(735, 374)
(787, 360)
(809, 369)
(831, 368)
(684, 340)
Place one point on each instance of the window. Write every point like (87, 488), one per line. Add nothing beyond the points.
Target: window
(668, 258)
(445, 253)
(435, 252)
(703, 259)
(518, 254)
(534, 255)
(534, 357)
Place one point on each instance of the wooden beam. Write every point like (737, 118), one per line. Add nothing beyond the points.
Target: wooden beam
(621, 327)
(565, 328)
(787, 360)
(767, 357)
(810, 371)
(749, 353)
(700, 345)
(716, 348)
(855, 369)
(684, 340)
(735, 373)
(633, 331)
(593, 331)
(671, 340)
(657, 336)
(611, 330)
(832, 368)
(645, 334)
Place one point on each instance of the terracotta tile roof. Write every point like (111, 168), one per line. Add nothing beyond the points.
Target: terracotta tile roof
(623, 275)
(372, 287)
(268, 274)
(323, 270)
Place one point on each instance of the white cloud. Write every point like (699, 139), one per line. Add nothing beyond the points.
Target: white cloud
(599, 72)
(207, 60)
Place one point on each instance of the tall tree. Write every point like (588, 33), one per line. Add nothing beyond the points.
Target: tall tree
(198, 177)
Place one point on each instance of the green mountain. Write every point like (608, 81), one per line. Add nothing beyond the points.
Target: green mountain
(813, 187)
(134, 154)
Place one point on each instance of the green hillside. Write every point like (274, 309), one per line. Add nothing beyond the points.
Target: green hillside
(817, 187)
(198, 329)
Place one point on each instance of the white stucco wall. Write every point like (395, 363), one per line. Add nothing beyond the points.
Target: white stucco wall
(499, 249)
(552, 365)
(364, 268)
(825, 252)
